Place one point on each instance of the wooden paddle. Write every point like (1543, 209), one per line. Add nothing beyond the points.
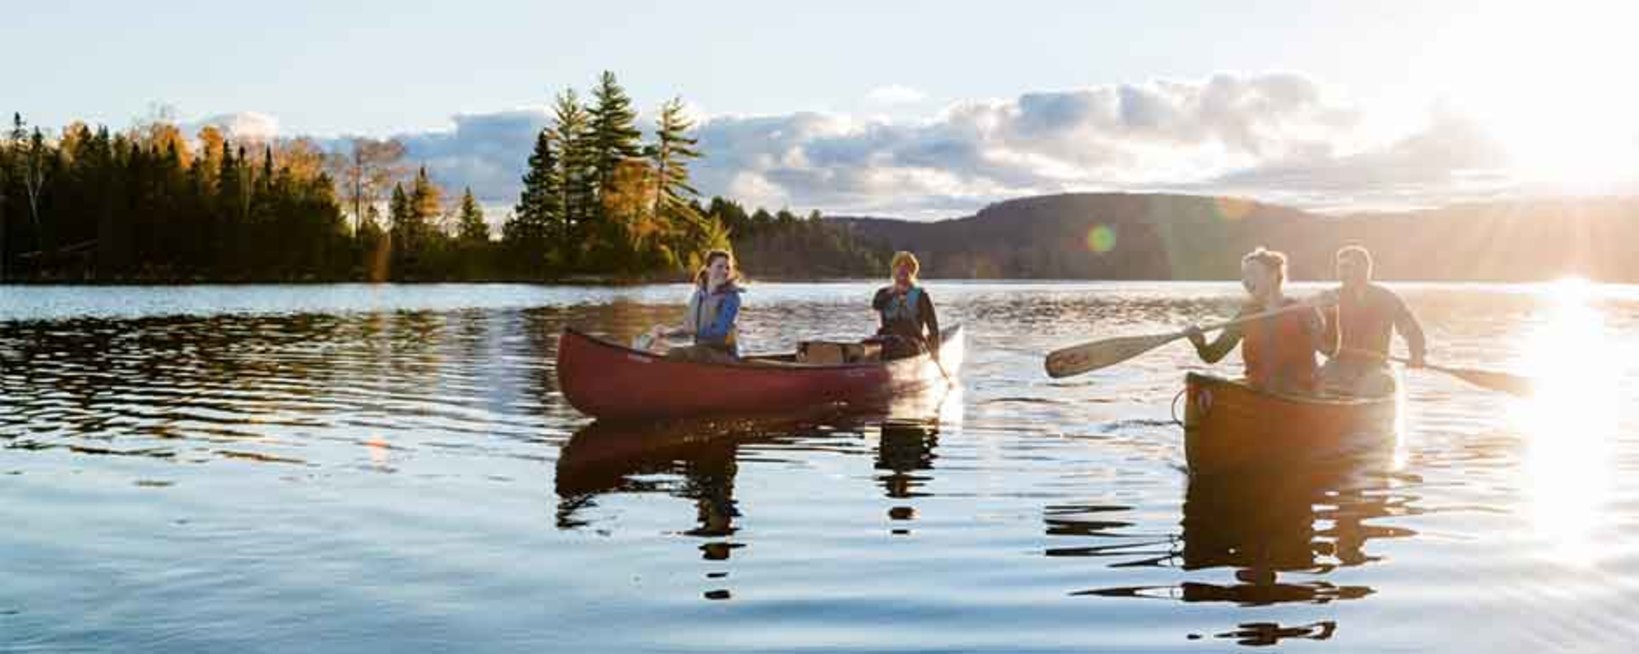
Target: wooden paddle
(1489, 379)
(948, 381)
(1104, 353)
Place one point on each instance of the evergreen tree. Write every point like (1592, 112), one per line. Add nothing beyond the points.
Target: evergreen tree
(576, 180)
(374, 244)
(414, 237)
(227, 219)
(266, 178)
(674, 197)
(471, 220)
(614, 135)
(426, 201)
(539, 214)
(621, 225)
(399, 218)
(5, 180)
(672, 151)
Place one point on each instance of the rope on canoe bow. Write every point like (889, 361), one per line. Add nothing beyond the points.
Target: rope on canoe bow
(1174, 407)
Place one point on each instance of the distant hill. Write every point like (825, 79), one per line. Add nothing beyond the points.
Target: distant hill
(1160, 236)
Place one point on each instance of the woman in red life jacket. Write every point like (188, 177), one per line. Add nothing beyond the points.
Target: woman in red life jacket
(1279, 351)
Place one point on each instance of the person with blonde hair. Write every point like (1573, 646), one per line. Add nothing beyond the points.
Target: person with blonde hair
(1360, 324)
(909, 324)
(1278, 351)
(713, 314)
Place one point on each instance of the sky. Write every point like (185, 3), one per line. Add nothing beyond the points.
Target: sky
(911, 109)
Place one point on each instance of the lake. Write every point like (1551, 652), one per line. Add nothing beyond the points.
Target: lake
(357, 468)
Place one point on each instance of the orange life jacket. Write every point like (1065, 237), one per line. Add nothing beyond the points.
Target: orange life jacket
(1279, 349)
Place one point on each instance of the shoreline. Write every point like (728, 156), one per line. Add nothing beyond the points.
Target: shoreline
(619, 282)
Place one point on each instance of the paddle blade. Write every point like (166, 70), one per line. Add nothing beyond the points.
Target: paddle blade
(1497, 381)
(1086, 357)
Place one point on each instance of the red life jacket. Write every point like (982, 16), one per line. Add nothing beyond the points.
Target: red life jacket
(1280, 348)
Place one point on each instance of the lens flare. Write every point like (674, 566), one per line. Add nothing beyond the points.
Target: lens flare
(1100, 239)
(1232, 209)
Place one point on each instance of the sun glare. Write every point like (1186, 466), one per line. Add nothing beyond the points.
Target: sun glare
(1545, 81)
(1571, 421)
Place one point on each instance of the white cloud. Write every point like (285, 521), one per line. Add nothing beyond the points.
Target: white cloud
(242, 126)
(895, 94)
(755, 190)
(1278, 137)
(1138, 135)
(486, 152)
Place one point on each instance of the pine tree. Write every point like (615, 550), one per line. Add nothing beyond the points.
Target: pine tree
(673, 150)
(576, 179)
(538, 202)
(426, 201)
(674, 198)
(401, 224)
(539, 213)
(613, 145)
(471, 220)
(415, 238)
(228, 223)
(266, 178)
(614, 134)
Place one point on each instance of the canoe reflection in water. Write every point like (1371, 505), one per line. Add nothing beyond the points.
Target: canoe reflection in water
(1265, 526)
(698, 459)
(1278, 532)
(625, 458)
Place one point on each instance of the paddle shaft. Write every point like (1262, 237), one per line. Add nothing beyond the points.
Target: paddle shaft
(1488, 379)
(1255, 317)
(1086, 357)
(942, 371)
(1406, 361)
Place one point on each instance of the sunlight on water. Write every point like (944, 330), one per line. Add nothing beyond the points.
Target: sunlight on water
(396, 469)
(1400, 455)
(1570, 422)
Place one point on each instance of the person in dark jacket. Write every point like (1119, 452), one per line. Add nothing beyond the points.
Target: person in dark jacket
(1364, 317)
(909, 324)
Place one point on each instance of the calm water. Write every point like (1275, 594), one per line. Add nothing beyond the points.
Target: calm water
(379, 468)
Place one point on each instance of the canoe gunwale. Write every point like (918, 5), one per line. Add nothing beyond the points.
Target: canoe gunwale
(1194, 379)
(758, 361)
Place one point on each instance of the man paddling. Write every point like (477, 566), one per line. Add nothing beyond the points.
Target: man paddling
(1360, 325)
(1279, 350)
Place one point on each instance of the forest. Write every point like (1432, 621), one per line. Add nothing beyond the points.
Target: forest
(600, 201)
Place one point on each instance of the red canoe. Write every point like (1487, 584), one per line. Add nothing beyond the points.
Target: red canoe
(613, 382)
(1229, 425)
